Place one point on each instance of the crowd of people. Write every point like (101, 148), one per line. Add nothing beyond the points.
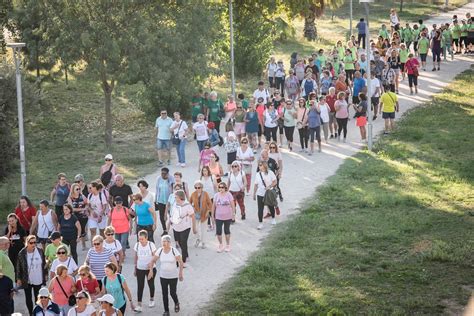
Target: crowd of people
(39, 249)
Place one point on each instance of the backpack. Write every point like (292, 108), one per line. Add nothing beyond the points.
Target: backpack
(107, 176)
(119, 276)
(172, 250)
(308, 86)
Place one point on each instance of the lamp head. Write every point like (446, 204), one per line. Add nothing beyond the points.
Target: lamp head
(16, 45)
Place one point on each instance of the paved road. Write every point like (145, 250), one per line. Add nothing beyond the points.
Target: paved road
(207, 269)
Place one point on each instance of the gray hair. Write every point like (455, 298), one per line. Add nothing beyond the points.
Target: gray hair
(166, 238)
(213, 94)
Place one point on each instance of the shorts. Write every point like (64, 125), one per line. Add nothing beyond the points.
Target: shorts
(239, 128)
(271, 82)
(388, 115)
(163, 144)
(423, 57)
(361, 121)
(92, 223)
(226, 223)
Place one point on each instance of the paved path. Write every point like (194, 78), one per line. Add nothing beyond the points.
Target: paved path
(207, 269)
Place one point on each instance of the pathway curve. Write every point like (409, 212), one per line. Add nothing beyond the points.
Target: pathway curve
(207, 270)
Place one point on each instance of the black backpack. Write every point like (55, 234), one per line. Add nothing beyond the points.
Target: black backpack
(107, 176)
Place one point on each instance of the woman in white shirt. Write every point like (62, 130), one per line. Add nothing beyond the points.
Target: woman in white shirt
(200, 128)
(264, 180)
(272, 67)
(394, 21)
(270, 123)
(246, 157)
(83, 306)
(171, 269)
(144, 252)
(179, 128)
(237, 183)
(324, 114)
(64, 259)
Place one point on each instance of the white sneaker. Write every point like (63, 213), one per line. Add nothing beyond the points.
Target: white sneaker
(260, 226)
(151, 304)
(183, 165)
(138, 309)
(178, 164)
(274, 222)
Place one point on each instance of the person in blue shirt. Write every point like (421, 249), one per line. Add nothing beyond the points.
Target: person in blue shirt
(314, 125)
(361, 29)
(359, 84)
(146, 217)
(164, 187)
(163, 137)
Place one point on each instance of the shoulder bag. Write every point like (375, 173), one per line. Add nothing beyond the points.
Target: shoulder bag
(71, 299)
(270, 197)
(299, 124)
(176, 140)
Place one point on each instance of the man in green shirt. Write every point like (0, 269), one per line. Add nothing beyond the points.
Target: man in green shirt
(196, 106)
(384, 32)
(5, 263)
(463, 38)
(407, 35)
(214, 109)
(50, 252)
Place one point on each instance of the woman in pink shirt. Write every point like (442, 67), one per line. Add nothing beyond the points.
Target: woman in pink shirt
(229, 108)
(342, 114)
(411, 67)
(223, 210)
(62, 286)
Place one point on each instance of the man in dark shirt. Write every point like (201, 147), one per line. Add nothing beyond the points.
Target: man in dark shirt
(120, 188)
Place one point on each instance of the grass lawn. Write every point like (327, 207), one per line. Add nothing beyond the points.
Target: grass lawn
(390, 233)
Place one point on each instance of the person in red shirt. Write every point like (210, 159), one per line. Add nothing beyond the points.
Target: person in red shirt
(25, 211)
(331, 100)
(87, 282)
(260, 108)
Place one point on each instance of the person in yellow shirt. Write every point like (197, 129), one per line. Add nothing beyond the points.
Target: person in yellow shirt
(388, 106)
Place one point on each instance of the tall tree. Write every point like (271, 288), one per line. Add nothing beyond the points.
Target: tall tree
(5, 7)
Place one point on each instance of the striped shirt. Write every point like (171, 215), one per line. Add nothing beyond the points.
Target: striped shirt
(97, 261)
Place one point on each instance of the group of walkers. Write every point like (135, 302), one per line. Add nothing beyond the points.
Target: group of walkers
(39, 250)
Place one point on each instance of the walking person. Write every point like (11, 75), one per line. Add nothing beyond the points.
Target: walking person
(200, 128)
(252, 126)
(361, 115)
(98, 206)
(25, 211)
(388, 106)
(115, 246)
(97, 257)
(289, 115)
(375, 89)
(239, 124)
(331, 99)
(63, 258)
(325, 110)
(270, 118)
(120, 220)
(145, 250)
(182, 220)
(411, 67)
(223, 210)
(163, 138)
(436, 49)
(87, 282)
(171, 269)
(115, 288)
(79, 203)
(164, 188)
(44, 223)
(314, 125)
(264, 180)
(237, 182)
(342, 115)
(16, 234)
(202, 205)
(179, 128)
(302, 124)
(146, 216)
(61, 287)
(61, 192)
(83, 305)
(30, 271)
(108, 171)
(70, 229)
(423, 46)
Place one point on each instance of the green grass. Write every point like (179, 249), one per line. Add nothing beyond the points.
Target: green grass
(388, 234)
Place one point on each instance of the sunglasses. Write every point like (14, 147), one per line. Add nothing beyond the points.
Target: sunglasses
(80, 297)
(244, 142)
(82, 274)
(273, 147)
(108, 159)
(163, 113)
(97, 244)
(109, 234)
(32, 242)
(221, 187)
(235, 166)
(61, 253)
(44, 297)
(197, 188)
(78, 189)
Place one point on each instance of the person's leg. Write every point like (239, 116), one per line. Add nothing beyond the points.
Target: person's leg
(123, 308)
(318, 137)
(260, 207)
(311, 139)
(173, 285)
(149, 230)
(202, 232)
(28, 297)
(183, 243)
(415, 82)
(141, 275)
(274, 131)
(326, 131)
(339, 127)
(162, 209)
(344, 122)
(164, 292)
(387, 125)
(392, 122)
(267, 133)
(73, 247)
(151, 284)
(306, 136)
(241, 202)
(410, 82)
(300, 133)
(227, 231)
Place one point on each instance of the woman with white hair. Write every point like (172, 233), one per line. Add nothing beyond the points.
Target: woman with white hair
(182, 219)
(214, 110)
(202, 205)
(231, 145)
(237, 183)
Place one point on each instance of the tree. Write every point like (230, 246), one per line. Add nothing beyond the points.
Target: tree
(5, 7)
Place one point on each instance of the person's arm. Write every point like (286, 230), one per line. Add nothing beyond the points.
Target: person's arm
(50, 287)
(153, 215)
(121, 256)
(193, 218)
(113, 259)
(34, 223)
(181, 264)
(79, 230)
(255, 191)
(232, 204)
(126, 289)
(52, 195)
(397, 106)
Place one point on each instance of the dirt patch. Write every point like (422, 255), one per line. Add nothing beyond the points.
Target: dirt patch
(422, 246)
(452, 308)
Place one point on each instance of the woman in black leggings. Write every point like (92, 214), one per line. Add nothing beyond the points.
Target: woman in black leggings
(436, 49)
(302, 125)
(342, 114)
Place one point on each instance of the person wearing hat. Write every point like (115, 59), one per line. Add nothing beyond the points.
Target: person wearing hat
(50, 252)
(44, 305)
(108, 171)
(6, 296)
(107, 306)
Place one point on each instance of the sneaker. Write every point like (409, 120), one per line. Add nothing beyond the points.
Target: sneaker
(137, 309)
(310, 153)
(203, 246)
(151, 304)
(274, 222)
(260, 226)
(178, 164)
(183, 165)
(434, 69)
(227, 248)
(176, 308)
(438, 69)
(319, 149)
(332, 136)
(220, 248)
(301, 150)
(248, 193)
(196, 244)
(344, 140)
(243, 217)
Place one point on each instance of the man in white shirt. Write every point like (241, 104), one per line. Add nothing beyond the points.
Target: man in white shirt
(375, 90)
(261, 92)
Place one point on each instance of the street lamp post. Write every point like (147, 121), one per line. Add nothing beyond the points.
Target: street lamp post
(350, 19)
(369, 92)
(232, 75)
(16, 47)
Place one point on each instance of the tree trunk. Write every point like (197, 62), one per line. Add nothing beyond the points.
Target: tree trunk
(108, 88)
(37, 61)
(65, 73)
(401, 5)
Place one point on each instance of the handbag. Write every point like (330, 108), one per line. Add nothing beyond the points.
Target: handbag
(270, 197)
(71, 299)
(176, 140)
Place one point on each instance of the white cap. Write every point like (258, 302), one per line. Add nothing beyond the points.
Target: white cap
(107, 298)
(109, 156)
(43, 292)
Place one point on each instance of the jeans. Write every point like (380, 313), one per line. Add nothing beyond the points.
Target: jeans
(182, 239)
(64, 309)
(28, 298)
(172, 284)
(180, 150)
(361, 37)
(201, 144)
(123, 238)
(261, 206)
(141, 276)
(73, 246)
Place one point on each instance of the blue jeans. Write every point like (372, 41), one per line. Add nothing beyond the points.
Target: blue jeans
(123, 238)
(201, 144)
(180, 151)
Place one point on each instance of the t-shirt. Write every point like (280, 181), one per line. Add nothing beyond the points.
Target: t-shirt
(214, 107)
(98, 203)
(69, 263)
(374, 84)
(411, 65)
(423, 45)
(60, 297)
(163, 126)
(252, 124)
(342, 112)
(62, 193)
(68, 227)
(389, 100)
(50, 251)
(35, 270)
(271, 118)
(324, 112)
(268, 178)
(168, 268)
(25, 217)
(348, 62)
(119, 220)
(6, 301)
(245, 104)
(359, 84)
(289, 119)
(114, 288)
(143, 214)
(314, 119)
(98, 260)
(90, 285)
(7, 266)
(179, 128)
(124, 192)
(261, 94)
(361, 27)
(201, 130)
(144, 254)
(163, 189)
(88, 311)
(115, 247)
(196, 106)
(331, 99)
(223, 203)
(236, 181)
(185, 211)
(403, 55)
